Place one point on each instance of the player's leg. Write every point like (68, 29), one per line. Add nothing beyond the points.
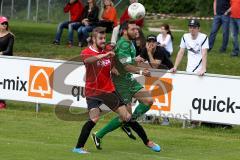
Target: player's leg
(145, 100)
(115, 122)
(94, 113)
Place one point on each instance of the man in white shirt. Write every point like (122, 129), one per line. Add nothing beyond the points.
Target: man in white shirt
(197, 46)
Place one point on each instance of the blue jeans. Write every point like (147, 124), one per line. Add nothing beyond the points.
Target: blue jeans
(71, 27)
(83, 33)
(235, 26)
(218, 21)
(60, 28)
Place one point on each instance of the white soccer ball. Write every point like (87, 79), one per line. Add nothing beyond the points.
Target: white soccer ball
(136, 11)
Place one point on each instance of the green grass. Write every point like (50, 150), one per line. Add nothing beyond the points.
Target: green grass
(25, 135)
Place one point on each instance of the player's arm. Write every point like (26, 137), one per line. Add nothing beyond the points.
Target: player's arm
(136, 70)
(93, 59)
(129, 62)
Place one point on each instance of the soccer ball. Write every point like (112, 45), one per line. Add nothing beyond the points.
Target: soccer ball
(136, 11)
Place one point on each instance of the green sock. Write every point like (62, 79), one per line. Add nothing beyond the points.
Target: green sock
(109, 127)
(140, 110)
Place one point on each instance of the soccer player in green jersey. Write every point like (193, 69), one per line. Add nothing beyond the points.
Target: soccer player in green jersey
(126, 85)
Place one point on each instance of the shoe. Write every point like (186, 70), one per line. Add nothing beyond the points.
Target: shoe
(3, 105)
(97, 141)
(69, 45)
(80, 44)
(234, 55)
(222, 51)
(128, 131)
(155, 147)
(56, 42)
(80, 151)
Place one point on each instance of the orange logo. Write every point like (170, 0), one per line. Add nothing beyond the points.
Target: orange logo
(161, 91)
(40, 82)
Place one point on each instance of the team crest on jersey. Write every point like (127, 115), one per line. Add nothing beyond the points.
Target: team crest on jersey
(104, 63)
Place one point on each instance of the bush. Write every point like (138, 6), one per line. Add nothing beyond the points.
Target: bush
(198, 7)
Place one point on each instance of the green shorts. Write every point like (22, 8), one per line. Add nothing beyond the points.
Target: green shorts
(127, 89)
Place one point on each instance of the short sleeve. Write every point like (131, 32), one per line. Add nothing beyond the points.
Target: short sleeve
(205, 44)
(183, 43)
(84, 55)
(124, 52)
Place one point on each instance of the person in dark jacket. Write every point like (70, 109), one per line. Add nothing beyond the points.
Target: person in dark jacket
(89, 21)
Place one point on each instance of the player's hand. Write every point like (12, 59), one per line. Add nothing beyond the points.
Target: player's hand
(139, 59)
(146, 73)
(115, 71)
(110, 54)
(173, 70)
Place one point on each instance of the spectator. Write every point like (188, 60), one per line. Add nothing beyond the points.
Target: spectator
(165, 39)
(221, 18)
(155, 55)
(89, 21)
(6, 44)
(197, 46)
(125, 17)
(75, 7)
(157, 58)
(108, 16)
(235, 25)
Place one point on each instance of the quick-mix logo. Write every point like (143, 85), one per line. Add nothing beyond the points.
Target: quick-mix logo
(39, 84)
(161, 91)
(215, 104)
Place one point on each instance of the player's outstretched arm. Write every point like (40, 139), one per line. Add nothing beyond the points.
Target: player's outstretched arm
(94, 59)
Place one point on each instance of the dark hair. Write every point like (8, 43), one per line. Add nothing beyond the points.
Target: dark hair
(124, 26)
(141, 38)
(167, 28)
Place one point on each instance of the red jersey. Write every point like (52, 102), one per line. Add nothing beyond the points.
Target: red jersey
(125, 17)
(75, 9)
(98, 76)
(235, 6)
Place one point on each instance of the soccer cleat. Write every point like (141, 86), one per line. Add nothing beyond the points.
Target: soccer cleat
(69, 45)
(80, 151)
(155, 147)
(128, 131)
(97, 141)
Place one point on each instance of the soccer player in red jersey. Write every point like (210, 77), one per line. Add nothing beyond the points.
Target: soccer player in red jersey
(99, 89)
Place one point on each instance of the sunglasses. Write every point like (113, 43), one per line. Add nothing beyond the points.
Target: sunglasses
(4, 23)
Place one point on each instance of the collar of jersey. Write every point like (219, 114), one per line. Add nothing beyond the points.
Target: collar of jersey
(94, 50)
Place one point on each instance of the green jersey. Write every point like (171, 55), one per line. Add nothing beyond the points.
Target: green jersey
(125, 84)
(125, 54)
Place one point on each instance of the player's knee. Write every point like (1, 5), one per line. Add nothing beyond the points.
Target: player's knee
(149, 101)
(127, 117)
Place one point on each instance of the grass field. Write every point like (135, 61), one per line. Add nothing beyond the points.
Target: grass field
(25, 135)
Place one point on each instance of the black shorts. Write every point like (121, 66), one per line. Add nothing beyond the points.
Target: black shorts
(111, 100)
